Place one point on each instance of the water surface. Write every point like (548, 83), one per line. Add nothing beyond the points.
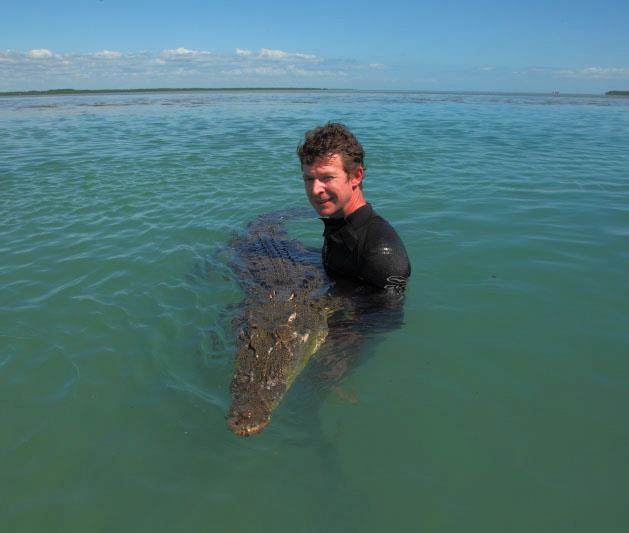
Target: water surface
(500, 405)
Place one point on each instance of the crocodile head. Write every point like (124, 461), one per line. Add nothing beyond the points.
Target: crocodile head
(272, 350)
(259, 379)
(248, 417)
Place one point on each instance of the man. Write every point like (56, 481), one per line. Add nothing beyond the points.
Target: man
(358, 243)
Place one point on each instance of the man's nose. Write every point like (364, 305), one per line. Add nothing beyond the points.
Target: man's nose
(317, 186)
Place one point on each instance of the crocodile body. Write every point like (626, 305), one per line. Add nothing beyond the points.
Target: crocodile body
(284, 319)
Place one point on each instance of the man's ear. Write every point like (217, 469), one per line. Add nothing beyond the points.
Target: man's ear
(357, 178)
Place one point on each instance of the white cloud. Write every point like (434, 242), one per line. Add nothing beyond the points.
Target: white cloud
(269, 71)
(289, 71)
(276, 55)
(308, 57)
(40, 53)
(175, 52)
(183, 72)
(377, 66)
(108, 54)
(45, 69)
(594, 73)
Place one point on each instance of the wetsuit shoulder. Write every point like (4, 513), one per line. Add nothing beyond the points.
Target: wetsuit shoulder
(385, 263)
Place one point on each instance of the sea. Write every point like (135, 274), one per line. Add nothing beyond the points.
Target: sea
(498, 405)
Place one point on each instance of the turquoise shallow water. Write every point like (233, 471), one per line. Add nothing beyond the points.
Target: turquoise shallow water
(499, 406)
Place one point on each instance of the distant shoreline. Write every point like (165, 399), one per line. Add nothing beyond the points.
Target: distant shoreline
(78, 92)
(60, 92)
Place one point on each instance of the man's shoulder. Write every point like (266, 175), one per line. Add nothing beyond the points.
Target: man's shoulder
(380, 232)
(384, 257)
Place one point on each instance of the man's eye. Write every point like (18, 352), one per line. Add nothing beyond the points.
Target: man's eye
(322, 179)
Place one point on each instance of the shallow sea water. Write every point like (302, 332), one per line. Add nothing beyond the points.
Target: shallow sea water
(500, 405)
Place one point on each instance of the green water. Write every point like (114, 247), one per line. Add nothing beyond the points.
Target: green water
(500, 405)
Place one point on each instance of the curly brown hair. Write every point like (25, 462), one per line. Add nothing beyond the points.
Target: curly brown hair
(333, 138)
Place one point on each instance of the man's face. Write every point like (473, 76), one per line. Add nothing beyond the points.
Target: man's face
(330, 189)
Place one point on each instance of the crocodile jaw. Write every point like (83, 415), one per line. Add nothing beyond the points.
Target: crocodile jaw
(245, 420)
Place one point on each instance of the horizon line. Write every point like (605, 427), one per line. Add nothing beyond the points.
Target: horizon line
(70, 91)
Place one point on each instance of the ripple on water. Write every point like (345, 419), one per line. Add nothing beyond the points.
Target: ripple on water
(116, 302)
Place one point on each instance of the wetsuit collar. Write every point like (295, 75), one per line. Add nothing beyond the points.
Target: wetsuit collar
(356, 219)
(342, 229)
(360, 217)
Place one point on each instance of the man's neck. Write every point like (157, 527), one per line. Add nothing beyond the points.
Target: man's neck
(355, 203)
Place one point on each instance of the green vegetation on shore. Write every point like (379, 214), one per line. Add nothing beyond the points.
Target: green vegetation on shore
(60, 92)
(53, 92)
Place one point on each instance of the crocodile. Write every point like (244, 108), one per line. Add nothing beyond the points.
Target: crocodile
(284, 319)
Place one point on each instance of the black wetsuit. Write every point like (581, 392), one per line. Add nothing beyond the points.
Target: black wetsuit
(364, 246)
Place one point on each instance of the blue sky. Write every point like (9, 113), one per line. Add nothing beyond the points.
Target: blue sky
(485, 45)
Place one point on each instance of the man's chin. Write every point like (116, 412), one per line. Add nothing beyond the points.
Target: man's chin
(326, 210)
